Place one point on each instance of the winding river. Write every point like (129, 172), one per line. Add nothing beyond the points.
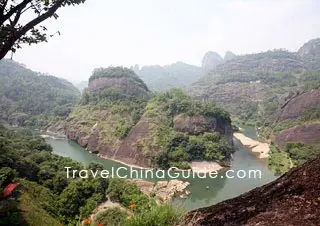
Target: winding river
(204, 192)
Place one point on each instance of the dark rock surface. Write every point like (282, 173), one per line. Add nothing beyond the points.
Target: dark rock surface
(308, 134)
(293, 199)
(299, 105)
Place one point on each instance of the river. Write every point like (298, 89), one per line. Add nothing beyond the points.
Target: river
(204, 192)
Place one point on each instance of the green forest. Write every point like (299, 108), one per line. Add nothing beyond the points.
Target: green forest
(46, 197)
(33, 99)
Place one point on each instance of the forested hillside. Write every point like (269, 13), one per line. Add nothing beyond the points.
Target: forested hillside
(28, 98)
(276, 91)
(43, 195)
(256, 85)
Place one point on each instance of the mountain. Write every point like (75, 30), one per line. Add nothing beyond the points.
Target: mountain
(295, 131)
(119, 118)
(229, 56)
(278, 91)
(310, 54)
(293, 199)
(211, 60)
(255, 85)
(175, 75)
(28, 98)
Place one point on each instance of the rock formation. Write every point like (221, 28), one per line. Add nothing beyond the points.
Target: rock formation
(211, 60)
(293, 199)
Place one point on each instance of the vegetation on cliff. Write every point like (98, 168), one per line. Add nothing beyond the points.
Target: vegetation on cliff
(28, 98)
(276, 91)
(295, 132)
(176, 147)
(170, 129)
(253, 87)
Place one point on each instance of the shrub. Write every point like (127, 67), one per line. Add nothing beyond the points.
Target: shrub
(111, 217)
(159, 215)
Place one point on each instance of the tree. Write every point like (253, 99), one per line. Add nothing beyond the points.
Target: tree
(14, 31)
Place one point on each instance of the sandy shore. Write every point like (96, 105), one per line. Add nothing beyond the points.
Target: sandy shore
(205, 167)
(256, 146)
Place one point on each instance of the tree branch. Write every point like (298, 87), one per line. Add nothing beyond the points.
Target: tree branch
(3, 6)
(40, 18)
(14, 10)
(16, 35)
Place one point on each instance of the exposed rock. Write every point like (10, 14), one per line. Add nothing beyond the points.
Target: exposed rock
(121, 83)
(308, 134)
(211, 60)
(293, 199)
(310, 54)
(163, 190)
(129, 150)
(229, 56)
(200, 124)
(300, 105)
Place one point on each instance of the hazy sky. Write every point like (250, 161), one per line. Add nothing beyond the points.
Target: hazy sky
(127, 32)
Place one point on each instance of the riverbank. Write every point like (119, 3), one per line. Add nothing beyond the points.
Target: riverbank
(123, 163)
(220, 188)
(256, 146)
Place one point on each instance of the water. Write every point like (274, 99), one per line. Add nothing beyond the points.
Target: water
(204, 192)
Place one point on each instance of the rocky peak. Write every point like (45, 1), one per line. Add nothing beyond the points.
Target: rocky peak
(310, 54)
(211, 60)
(117, 78)
(229, 56)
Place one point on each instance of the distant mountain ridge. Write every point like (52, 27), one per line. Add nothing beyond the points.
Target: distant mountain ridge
(176, 75)
(247, 83)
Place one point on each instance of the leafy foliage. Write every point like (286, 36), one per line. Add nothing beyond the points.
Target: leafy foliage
(24, 155)
(111, 217)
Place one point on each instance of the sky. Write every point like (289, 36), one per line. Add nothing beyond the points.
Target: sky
(101, 33)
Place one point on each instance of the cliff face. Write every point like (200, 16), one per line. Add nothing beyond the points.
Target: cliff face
(125, 85)
(200, 124)
(117, 118)
(211, 60)
(308, 134)
(310, 54)
(300, 105)
(293, 199)
(298, 120)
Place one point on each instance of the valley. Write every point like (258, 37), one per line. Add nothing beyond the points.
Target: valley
(241, 113)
